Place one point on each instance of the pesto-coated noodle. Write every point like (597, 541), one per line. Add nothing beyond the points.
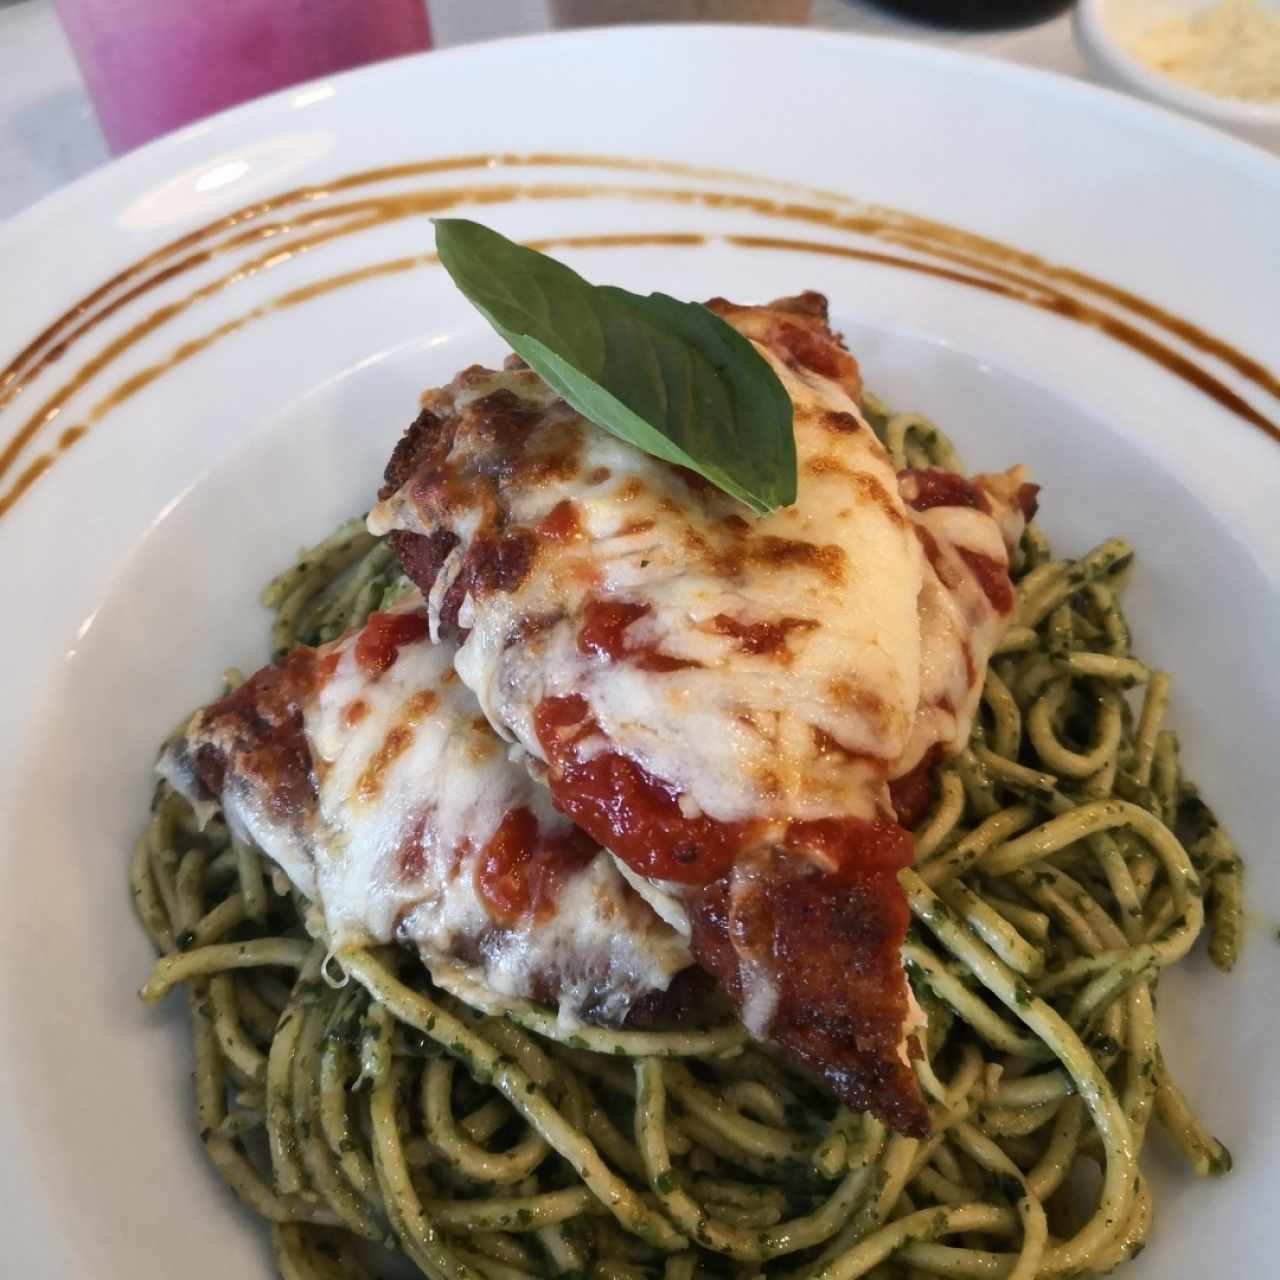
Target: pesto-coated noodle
(359, 1106)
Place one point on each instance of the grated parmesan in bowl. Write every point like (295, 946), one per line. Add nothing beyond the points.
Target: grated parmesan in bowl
(1217, 60)
(1231, 49)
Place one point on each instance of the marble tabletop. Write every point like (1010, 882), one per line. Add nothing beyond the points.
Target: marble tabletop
(48, 134)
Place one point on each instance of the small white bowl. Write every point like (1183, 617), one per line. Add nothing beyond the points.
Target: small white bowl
(1104, 31)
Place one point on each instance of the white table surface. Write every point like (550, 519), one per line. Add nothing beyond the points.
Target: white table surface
(48, 134)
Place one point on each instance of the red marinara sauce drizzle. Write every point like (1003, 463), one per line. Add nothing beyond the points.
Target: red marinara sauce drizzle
(992, 576)
(912, 794)
(604, 635)
(767, 638)
(383, 635)
(562, 523)
(520, 871)
(931, 487)
(624, 807)
(637, 817)
(935, 487)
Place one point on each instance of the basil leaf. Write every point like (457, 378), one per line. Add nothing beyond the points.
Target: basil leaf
(669, 377)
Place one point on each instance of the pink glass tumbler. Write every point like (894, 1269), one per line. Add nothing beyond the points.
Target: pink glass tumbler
(152, 65)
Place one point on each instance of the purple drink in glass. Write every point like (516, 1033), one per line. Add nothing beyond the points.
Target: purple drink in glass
(151, 65)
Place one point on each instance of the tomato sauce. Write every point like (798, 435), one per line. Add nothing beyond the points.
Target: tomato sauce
(380, 641)
(624, 807)
(932, 552)
(762, 638)
(324, 667)
(562, 523)
(936, 487)
(992, 576)
(638, 817)
(604, 635)
(520, 871)
(912, 794)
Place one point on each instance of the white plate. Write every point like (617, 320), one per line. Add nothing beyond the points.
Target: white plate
(129, 564)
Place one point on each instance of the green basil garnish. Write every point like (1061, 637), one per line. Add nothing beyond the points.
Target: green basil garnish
(669, 377)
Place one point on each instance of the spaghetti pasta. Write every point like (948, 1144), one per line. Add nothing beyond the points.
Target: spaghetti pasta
(359, 1106)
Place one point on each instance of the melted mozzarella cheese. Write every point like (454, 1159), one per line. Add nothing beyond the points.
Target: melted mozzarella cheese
(960, 627)
(662, 896)
(770, 672)
(410, 786)
(741, 734)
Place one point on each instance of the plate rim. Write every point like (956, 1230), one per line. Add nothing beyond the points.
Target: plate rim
(183, 139)
(1181, 129)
